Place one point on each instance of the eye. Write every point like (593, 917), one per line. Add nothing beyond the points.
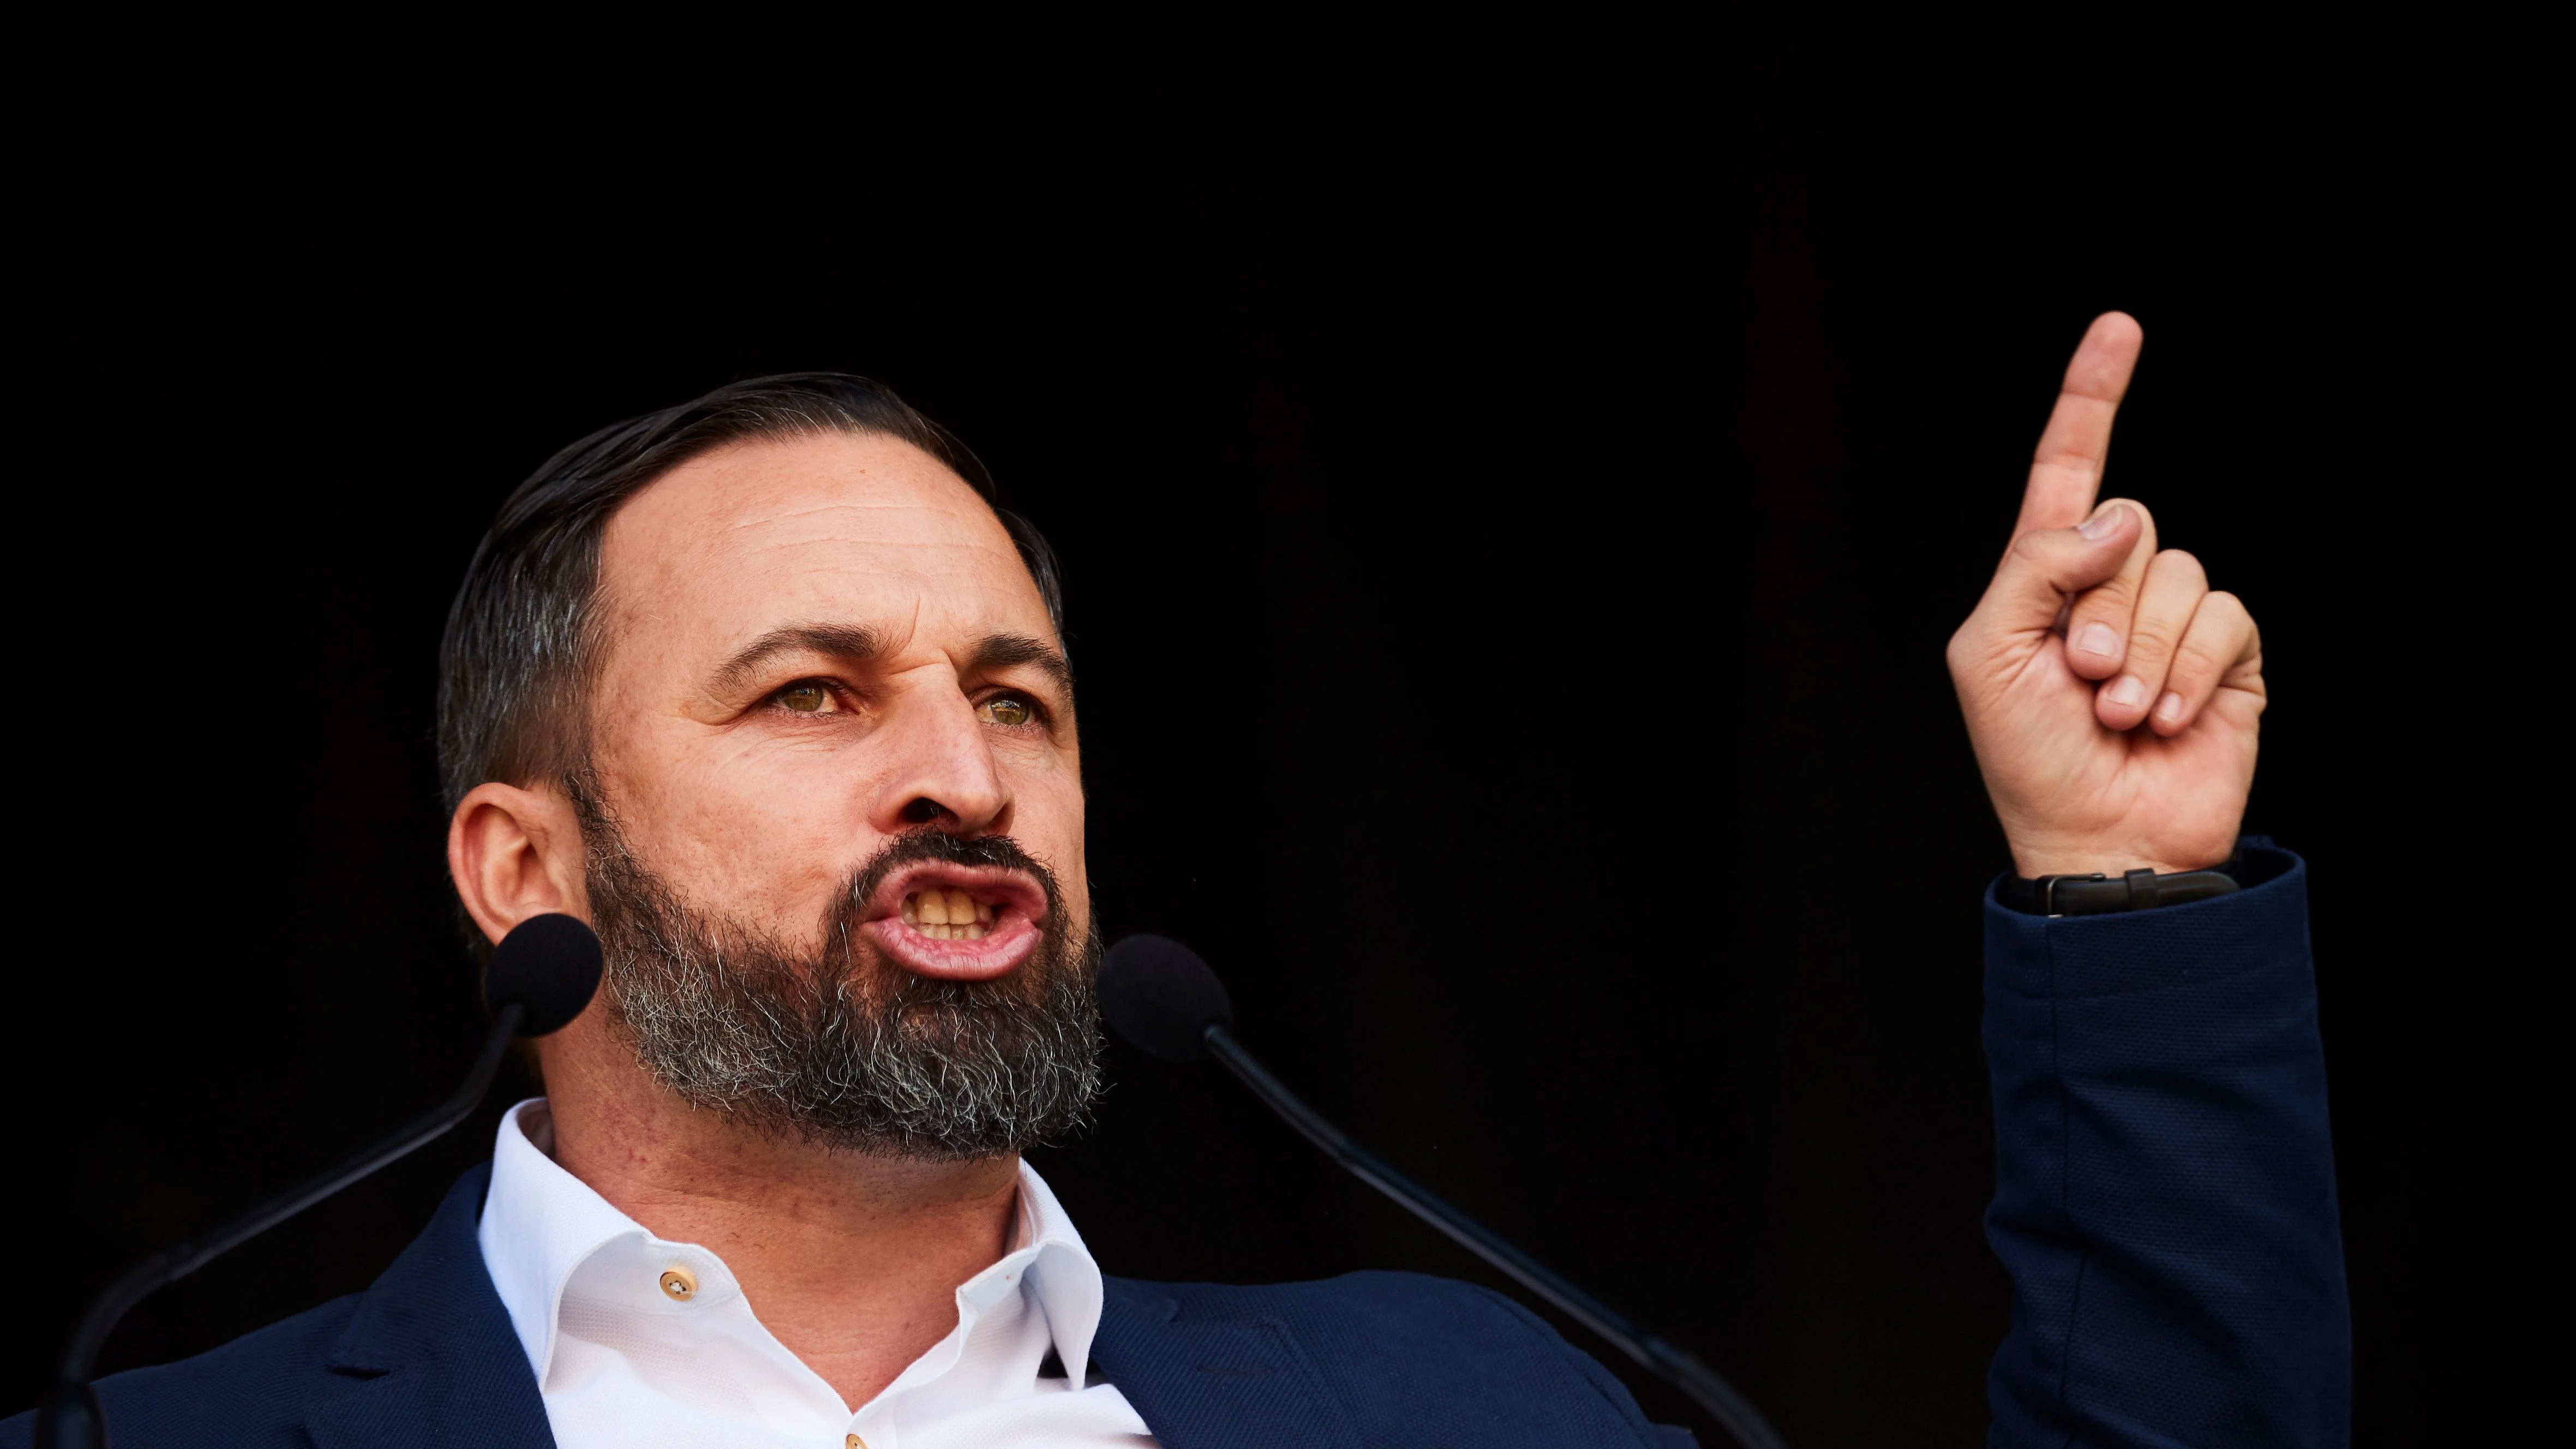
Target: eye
(1007, 710)
(805, 697)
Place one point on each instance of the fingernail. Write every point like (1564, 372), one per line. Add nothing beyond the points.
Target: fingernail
(2169, 708)
(2103, 524)
(2097, 639)
(2127, 692)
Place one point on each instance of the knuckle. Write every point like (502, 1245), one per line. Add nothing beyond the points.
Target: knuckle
(2034, 547)
(2148, 646)
(2237, 622)
(2224, 618)
(2094, 606)
(2180, 565)
(2192, 664)
(1967, 647)
(2113, 595)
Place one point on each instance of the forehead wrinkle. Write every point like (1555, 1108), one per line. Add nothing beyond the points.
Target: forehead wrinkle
(952, 575)
(812, 510)
(820, 506)
(861, 573)
(764, 537)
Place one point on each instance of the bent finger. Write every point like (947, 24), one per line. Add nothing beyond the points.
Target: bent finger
(2168, 600)
(2099, 620)
(2221, 647)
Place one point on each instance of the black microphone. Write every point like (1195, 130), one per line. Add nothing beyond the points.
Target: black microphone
(1165, 1001)
(539, 978)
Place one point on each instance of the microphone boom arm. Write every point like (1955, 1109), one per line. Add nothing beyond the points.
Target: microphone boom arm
(1704, 1386)
(71, 1415)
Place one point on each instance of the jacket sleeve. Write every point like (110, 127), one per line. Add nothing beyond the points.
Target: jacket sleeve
(2164, 1179)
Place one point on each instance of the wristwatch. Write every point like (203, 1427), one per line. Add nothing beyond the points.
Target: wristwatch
(2101, 895)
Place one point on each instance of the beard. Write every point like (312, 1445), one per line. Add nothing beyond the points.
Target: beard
(834, 1044)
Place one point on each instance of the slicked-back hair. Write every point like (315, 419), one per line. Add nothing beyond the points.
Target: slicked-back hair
(523, 638)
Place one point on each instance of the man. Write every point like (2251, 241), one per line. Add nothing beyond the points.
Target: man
(765, 689)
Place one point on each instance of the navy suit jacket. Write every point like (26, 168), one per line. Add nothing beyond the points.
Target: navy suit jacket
(2164, 1204)
(2164, 1181)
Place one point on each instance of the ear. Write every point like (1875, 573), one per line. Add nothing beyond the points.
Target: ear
(516, 853)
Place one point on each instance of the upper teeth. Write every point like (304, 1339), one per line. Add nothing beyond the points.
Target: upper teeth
(944, 915)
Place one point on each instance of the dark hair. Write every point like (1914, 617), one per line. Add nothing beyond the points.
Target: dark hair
(522, 640)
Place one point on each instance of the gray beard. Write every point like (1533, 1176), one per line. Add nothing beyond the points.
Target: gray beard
(834, 1045)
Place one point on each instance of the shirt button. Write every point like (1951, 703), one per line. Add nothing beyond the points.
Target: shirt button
(854, 1442)
(680, 1283)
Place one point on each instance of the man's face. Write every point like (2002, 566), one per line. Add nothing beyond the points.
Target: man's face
(832, 811)
(816, 646)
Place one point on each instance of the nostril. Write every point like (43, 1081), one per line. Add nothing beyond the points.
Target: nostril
(923, 811)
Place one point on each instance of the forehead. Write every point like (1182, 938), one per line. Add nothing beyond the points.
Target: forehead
(841, 527)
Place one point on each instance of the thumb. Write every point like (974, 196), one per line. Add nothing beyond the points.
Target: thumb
(2046, 566)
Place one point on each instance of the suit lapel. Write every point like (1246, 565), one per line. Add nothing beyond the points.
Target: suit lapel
(430, 1360)
(1216, 1383)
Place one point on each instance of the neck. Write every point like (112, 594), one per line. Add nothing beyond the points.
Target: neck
(851, 1260)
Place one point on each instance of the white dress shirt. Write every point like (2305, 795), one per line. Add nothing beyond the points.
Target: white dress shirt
(638, 1342)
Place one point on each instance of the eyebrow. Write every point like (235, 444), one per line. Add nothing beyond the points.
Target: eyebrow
(853, 642)
(1002, 651)
(857, 644)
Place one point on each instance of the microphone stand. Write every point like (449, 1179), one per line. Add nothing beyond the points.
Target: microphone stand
(1667, 1361)
(70, 1416)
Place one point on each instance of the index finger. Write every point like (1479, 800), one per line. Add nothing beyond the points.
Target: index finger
(2066, 471)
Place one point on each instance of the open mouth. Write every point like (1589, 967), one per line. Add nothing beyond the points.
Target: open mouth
(957, 922)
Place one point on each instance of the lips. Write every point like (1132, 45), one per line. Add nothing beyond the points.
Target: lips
(956, 922)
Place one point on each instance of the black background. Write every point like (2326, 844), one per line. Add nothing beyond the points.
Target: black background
(1515, 481)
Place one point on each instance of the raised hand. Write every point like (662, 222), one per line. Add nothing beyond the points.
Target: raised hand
(2113, 699)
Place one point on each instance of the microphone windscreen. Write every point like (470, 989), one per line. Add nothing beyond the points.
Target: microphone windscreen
(1161, 998)
(547, 964)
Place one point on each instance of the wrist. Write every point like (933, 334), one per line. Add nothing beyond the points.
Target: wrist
(2037, 853)
(2033, 864)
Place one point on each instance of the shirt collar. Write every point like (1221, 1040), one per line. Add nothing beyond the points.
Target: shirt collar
(541, 1224)
(1063, 1278)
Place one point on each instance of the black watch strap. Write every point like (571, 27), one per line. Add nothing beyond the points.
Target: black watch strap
(2102, 895)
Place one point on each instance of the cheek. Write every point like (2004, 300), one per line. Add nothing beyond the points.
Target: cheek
(758, 839)
(1047, 822)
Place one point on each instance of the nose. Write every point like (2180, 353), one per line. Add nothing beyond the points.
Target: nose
(940, 771)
